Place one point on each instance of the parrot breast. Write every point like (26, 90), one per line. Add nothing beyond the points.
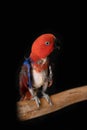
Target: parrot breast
(40, 73)
(39, 78)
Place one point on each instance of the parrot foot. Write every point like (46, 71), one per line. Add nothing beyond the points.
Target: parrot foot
(46, 96)
(37, 100)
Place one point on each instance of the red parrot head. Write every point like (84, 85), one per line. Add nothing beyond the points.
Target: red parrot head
(42, 46)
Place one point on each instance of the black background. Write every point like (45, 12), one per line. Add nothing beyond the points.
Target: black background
(68, 23)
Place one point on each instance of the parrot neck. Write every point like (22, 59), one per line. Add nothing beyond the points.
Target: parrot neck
(34, 57)
(39, 64)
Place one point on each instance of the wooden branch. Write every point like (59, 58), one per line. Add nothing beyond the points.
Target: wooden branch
(28, 110)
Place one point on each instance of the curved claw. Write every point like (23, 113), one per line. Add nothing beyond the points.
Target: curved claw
(46, 96)
(36, 100)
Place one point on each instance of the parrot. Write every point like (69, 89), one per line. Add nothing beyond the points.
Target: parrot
(36, 71)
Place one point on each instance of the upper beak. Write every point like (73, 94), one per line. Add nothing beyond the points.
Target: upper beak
(57, 44)
(57, 47)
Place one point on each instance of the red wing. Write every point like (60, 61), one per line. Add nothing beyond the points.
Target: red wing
(23, 80)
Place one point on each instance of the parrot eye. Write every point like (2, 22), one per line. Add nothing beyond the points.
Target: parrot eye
(47, 43)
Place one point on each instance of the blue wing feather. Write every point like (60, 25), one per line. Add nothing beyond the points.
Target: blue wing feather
(27, 62)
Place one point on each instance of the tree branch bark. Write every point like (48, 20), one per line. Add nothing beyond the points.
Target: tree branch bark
(28, 110)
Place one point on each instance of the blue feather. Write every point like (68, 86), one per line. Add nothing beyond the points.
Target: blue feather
(27, 62)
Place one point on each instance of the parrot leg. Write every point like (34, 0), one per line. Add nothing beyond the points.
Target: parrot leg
(46, 96)
(34, 97)
(37, 100)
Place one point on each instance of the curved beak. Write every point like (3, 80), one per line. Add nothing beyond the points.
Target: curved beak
(57, 44)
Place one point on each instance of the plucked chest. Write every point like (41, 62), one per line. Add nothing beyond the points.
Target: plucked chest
(39, 74)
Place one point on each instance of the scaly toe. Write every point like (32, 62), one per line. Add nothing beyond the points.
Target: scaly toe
(37, 101)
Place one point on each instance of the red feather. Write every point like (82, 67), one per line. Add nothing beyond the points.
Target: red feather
(23, 80)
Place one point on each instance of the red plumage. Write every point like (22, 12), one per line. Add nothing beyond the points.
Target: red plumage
(41, 72)
(23, 80)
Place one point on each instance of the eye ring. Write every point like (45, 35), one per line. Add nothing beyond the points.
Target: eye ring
(47, 43)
